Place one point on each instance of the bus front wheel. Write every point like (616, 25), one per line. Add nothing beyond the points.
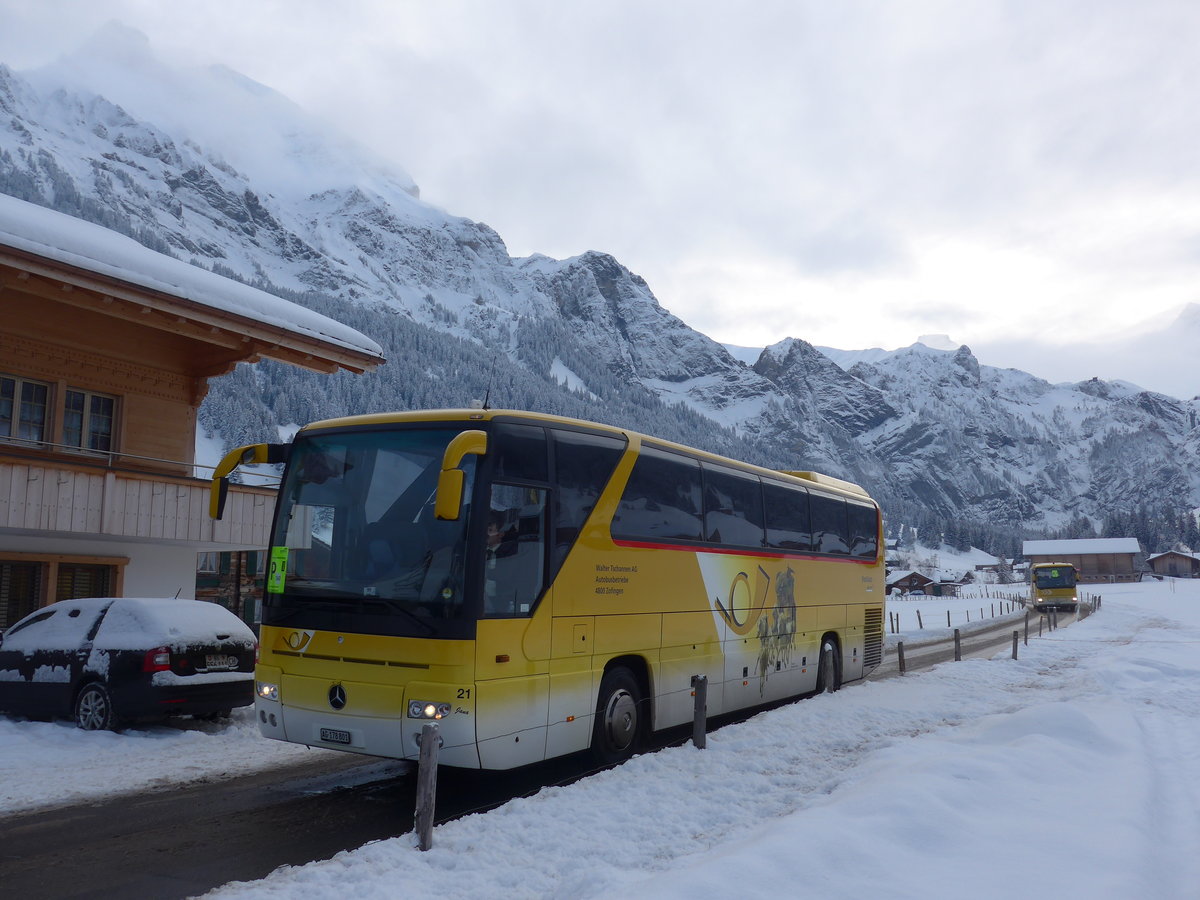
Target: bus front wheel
(617, 731)
(829, 668)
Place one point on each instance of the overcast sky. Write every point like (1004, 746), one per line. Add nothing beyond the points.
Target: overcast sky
(853, 173)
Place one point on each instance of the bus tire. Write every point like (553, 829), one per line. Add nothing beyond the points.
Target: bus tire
(829, 667)
(617, 731)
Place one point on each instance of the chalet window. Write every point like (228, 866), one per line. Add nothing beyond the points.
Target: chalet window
(208, 562)
(88, 420)
(23, 407)
(80, 580)
(20, 588)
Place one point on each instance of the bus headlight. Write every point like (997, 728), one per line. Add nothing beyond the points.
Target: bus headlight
(423, 709)
(267, 691)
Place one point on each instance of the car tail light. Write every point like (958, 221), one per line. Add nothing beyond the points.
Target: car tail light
(157, 660)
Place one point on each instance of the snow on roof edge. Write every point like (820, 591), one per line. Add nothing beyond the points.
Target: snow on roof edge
(1081, 545)
(66, 239)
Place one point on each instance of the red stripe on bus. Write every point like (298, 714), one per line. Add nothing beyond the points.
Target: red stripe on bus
(646, 545)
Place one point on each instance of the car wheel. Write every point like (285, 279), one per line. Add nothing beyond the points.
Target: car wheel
(94, 709)
(617, 732)
(829, 668)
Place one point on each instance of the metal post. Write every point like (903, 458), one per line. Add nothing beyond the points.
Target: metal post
(700, 711)
(957, 646)
(947, 618)
(900, 655)
(1026, 628)
(920, 624)
(427, 785)
(1016, 635)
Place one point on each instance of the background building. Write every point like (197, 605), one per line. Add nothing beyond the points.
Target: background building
(1095, 559)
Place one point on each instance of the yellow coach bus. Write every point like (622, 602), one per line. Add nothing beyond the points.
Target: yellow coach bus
(540, 585)
(1052, 586)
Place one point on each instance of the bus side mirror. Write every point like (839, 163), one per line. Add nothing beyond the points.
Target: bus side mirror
(242, 456)
(448, 503)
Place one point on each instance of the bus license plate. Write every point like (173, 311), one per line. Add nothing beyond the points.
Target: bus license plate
(334, 736)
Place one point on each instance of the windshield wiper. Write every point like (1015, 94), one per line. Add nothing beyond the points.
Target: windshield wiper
(393, 606)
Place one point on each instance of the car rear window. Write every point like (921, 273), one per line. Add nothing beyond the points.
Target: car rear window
(137, 623)
(60, 627)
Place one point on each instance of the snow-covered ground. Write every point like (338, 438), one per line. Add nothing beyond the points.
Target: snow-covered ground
(55, 764)
(1071, 772)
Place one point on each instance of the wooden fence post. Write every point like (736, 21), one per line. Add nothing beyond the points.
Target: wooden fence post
(1015, 636)
(700, 711)
(920, 624)
(957, 646)
(431, 741)
(900, 655)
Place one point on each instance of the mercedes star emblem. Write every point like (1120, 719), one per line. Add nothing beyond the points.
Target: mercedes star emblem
(337, 696)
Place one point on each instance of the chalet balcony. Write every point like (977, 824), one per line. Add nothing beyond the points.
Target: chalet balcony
(117, 497)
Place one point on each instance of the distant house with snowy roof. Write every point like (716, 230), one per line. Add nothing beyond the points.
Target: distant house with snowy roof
(105, 355)
(1094, 559)
(1175, 563)
(909, 581)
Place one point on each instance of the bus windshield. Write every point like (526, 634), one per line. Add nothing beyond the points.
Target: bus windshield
(364, 552)
(1055, 577)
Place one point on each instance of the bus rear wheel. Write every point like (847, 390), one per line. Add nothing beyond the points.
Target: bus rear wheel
(829, 668)
(617, 732)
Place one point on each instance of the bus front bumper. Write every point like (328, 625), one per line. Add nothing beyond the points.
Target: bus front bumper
(365, 718)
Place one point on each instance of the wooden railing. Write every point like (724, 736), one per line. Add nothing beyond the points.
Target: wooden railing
(61, 496)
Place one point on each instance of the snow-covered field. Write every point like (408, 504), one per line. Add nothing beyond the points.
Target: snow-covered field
(1071, 772)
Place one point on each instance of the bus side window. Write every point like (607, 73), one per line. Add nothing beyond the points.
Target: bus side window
(662, 498)
(787, 517)
(864, 530)
(520, 453)
(829, 524)
(733, 508)
(515, 550)
(583, 465)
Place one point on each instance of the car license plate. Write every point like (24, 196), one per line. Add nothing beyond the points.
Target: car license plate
(334, 736)
(219, 661)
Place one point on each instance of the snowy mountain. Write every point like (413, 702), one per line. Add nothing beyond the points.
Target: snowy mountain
(220, 171)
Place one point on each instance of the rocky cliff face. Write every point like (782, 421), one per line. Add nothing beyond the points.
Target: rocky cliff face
(919, 427)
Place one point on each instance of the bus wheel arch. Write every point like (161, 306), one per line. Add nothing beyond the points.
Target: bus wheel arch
(829, 664)
(622, 711)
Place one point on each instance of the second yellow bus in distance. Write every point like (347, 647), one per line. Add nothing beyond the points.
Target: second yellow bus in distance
(540, 586)
(1052, 586)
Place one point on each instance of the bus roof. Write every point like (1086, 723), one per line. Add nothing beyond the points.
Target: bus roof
(486, 415)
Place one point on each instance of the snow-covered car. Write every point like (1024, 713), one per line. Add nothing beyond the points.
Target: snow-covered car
(106, 661)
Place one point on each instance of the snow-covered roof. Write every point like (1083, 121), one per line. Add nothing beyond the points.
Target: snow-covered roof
(55, 236)
(1079, 546)
(1172, 553)
(900, 576)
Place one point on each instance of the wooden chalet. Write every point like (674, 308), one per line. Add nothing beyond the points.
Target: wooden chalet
(106, 349)
(1175, 564)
